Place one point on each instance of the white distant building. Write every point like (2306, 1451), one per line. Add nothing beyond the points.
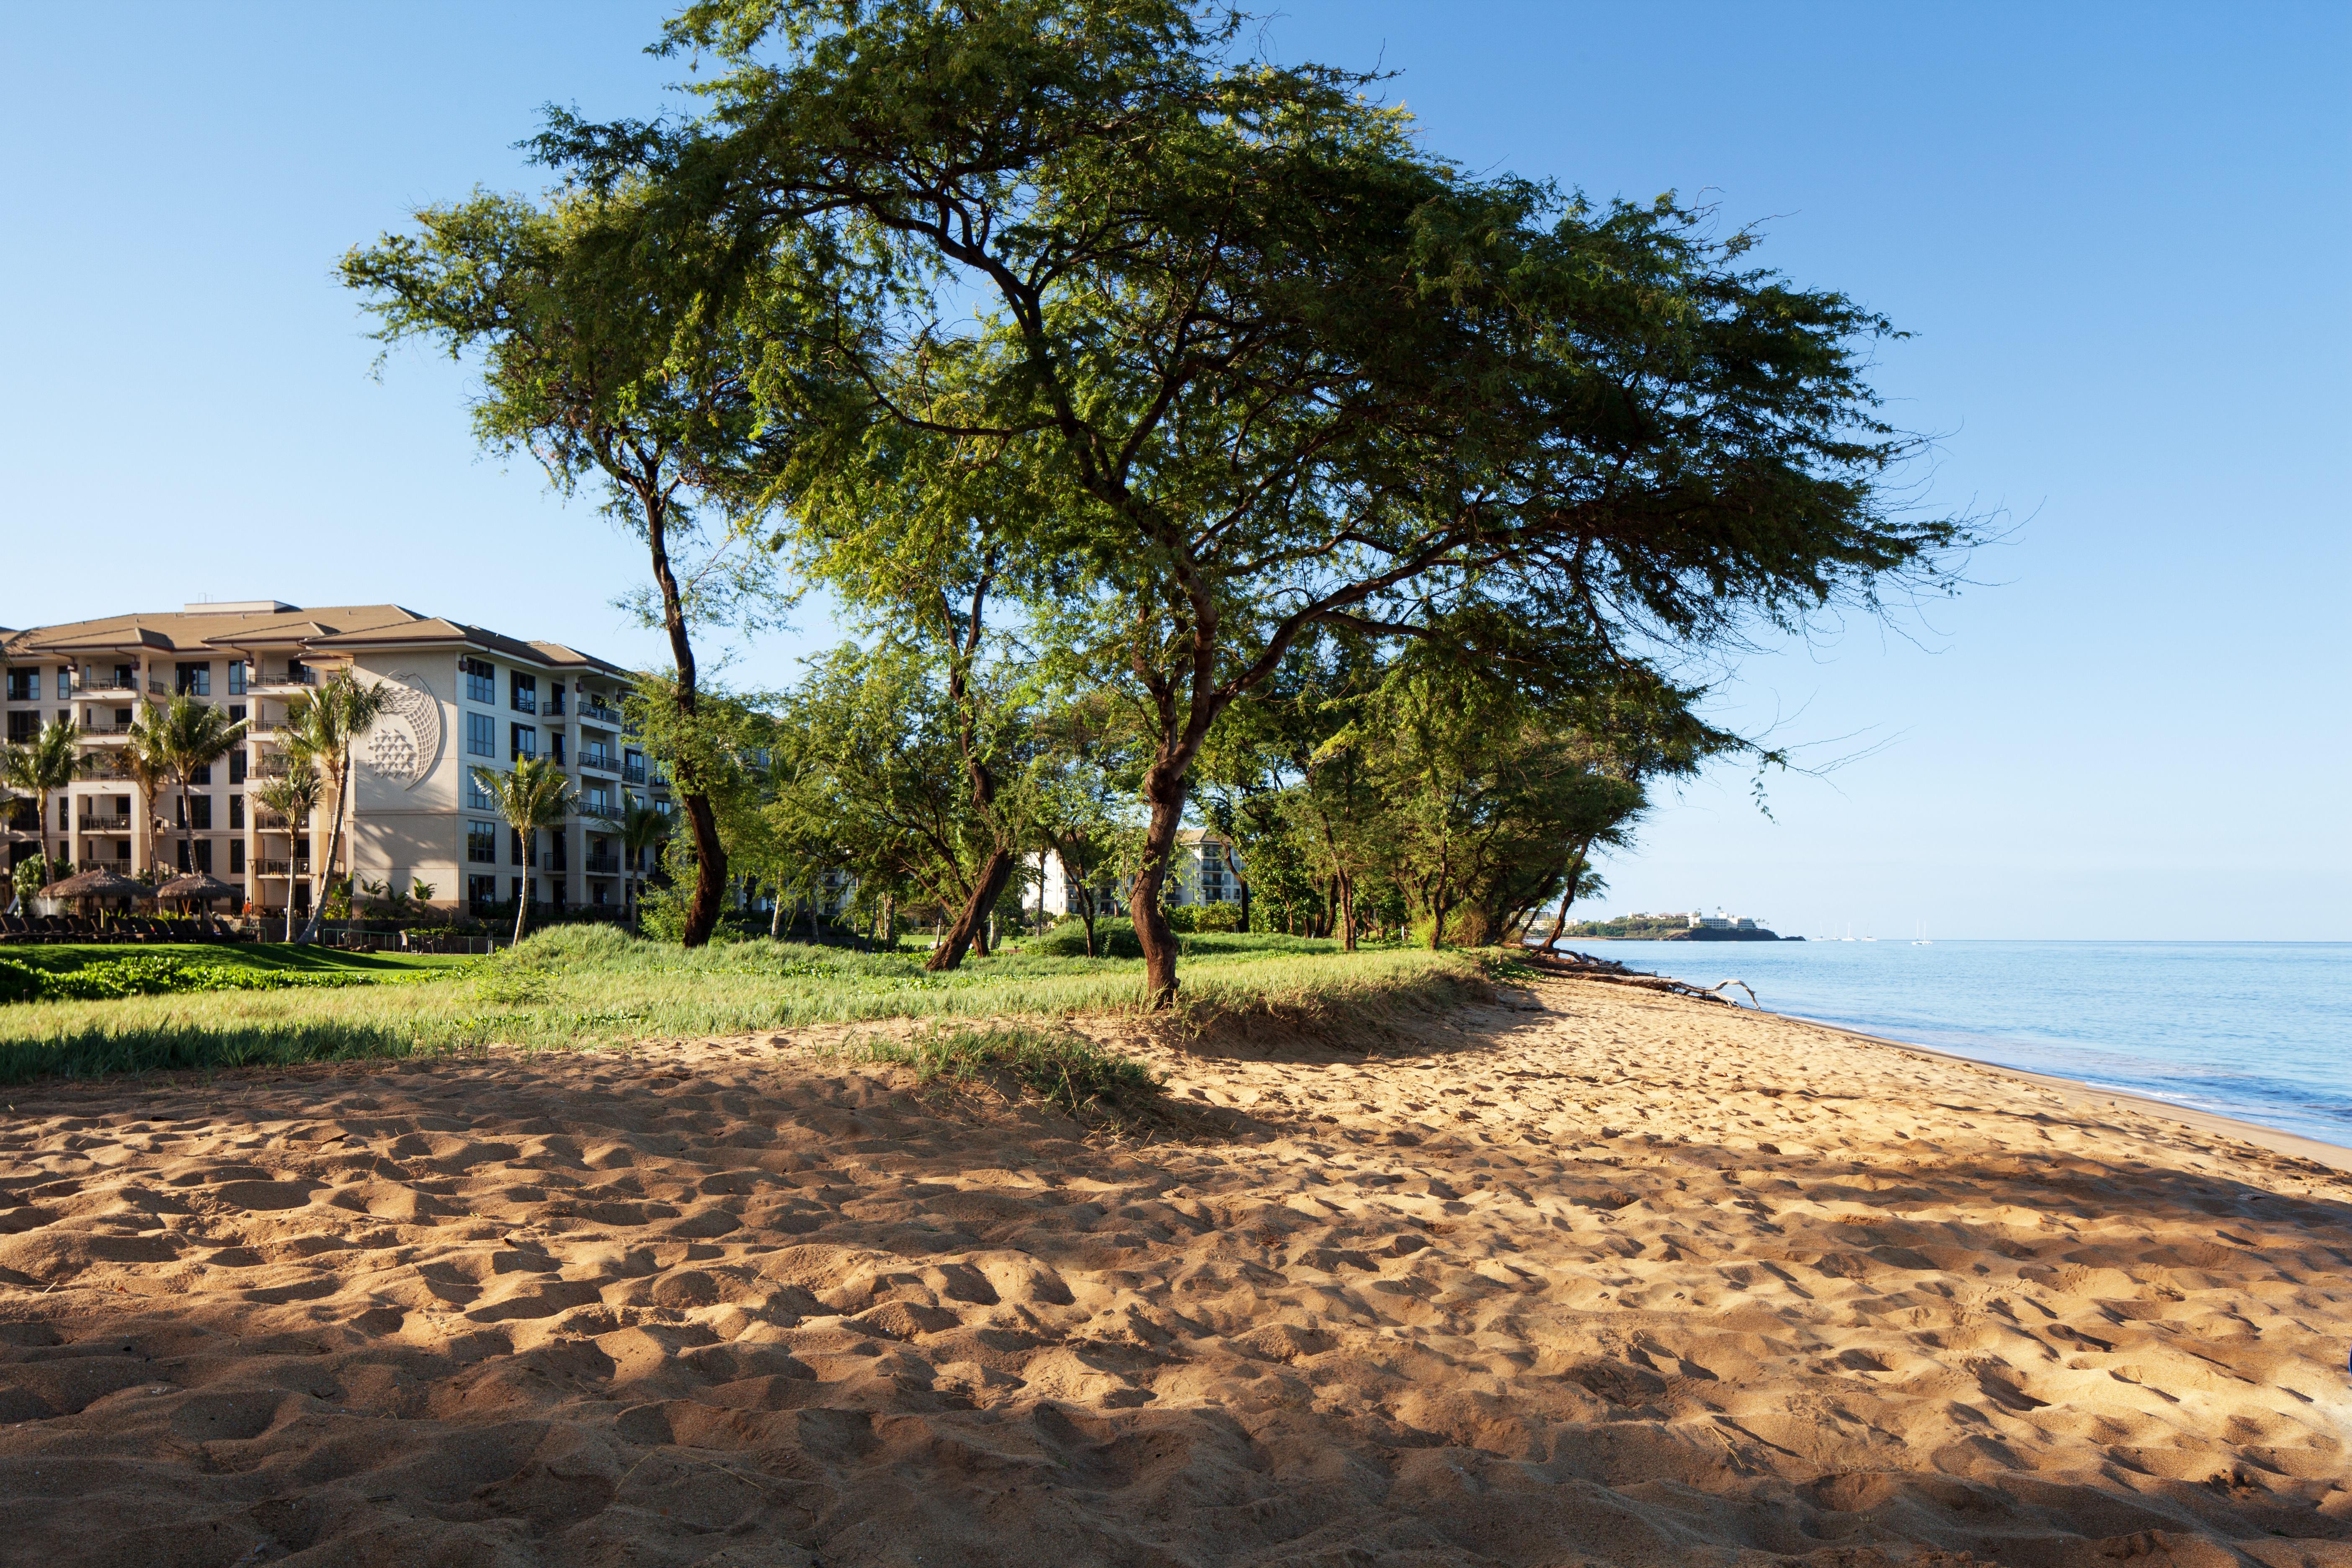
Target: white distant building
(1205, 870)
(1721, 921)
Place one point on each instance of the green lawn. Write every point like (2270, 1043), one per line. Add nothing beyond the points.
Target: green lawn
(585, 987)
(60, 957)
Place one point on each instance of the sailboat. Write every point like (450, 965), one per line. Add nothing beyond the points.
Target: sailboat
(1919, 935)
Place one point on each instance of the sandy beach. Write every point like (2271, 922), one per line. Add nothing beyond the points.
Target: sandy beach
(1587, 1276)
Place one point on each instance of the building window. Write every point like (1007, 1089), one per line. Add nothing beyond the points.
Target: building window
(65, 682)
(23, 727)
(522, 855)
(526, 742)
(202, 776)
(481, 736)
(199, 812)
(236, 767)
(482, 679)
(236, 856)
(237, 679)
(477, 797)
(524, 692)
(24, 686)
(555, 697)
(205, 855)
(481, 892)
(482, 845)
(237, 810)
(195, 680)
(555, 747)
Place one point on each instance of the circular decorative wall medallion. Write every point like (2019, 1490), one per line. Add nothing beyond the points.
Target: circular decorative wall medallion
(405, 743)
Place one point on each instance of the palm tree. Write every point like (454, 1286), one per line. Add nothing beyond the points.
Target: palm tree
(190, 735)
(44, 766)
(533, 796)
(145, 762)
(293, 796)
(328, 728)
(641, 825)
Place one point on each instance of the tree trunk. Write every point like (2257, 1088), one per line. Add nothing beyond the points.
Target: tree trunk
(1163, 790)
(334, 845)
(710, 856)
(522, 902)
(1566, 897)
(776, 916)
(970, 929)
(1346, 912)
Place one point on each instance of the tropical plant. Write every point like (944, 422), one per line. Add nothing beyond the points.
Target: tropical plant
(641, 827)
(145, 759)
(31, 876)
(534, 795)
(40, 768)
(187, 736)
(294, 795)
(324, 728)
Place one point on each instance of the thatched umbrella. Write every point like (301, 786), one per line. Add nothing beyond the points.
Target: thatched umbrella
(199, 887)
(97, 883)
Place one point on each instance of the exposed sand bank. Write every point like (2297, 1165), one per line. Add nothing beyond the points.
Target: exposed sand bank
(1614, 1277)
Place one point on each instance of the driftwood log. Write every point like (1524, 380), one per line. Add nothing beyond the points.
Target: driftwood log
(1574, 965)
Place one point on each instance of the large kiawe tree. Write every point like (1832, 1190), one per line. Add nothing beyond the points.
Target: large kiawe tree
(1270, 367)
(613, 352)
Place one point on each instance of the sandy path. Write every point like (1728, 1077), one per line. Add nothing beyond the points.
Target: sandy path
(1604, 1277)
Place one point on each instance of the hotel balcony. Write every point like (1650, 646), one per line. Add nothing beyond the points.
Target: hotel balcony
(599, 762)
(104, 822)
(597, 713)
(267, 868)
(106, 729)
(601, 864)
(287, 682)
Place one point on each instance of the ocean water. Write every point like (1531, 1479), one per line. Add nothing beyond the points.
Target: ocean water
(2258, 1030)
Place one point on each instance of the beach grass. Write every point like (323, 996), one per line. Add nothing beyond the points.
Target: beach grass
(65, 956)
(588, 986)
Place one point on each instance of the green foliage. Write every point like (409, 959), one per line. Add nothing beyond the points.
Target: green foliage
(34, 873)
(155, 976)
(1067, 1071)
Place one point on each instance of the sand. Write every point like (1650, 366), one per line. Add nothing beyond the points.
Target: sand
(1591, 1275)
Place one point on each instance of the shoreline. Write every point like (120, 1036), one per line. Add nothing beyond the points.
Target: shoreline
(2336, 1156)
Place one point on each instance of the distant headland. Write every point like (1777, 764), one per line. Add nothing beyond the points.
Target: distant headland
(1691, 927)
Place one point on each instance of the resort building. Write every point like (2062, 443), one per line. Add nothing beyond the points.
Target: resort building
(460, 698)
(1205, 870)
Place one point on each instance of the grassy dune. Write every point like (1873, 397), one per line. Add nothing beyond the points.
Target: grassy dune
(586, 986)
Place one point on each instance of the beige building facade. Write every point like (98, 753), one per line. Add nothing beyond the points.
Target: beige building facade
(458, 696)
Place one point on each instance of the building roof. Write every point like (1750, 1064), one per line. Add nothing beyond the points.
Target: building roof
(210, 629)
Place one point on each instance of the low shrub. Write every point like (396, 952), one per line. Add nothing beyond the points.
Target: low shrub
(155, 976)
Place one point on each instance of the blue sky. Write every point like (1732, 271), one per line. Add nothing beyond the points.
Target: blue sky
(2118, 232)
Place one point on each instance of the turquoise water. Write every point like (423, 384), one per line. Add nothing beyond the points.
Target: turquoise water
(2258, 1030)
